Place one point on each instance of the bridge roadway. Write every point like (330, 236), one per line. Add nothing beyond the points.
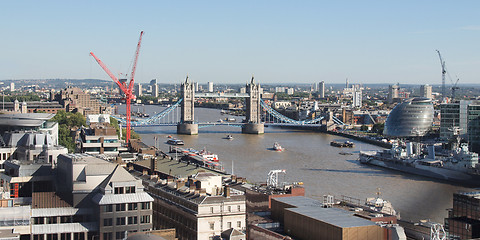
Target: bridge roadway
(221, 95)
(232, 124)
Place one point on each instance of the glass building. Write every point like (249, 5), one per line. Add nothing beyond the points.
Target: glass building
(411, 118)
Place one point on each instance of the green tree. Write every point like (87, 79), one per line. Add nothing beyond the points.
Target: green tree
(66, 122)
(133, 134)
(378, 128)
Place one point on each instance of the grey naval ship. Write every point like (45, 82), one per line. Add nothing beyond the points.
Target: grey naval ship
(458, 165)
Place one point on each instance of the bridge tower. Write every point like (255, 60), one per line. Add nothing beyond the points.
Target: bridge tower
(186, 124)
(253, 124)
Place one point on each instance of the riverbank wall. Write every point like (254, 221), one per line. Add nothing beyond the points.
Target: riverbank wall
(342, 134)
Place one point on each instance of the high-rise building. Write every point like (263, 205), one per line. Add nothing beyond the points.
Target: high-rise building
(315, 87)
(357, 97)
(210, 86)
(453, 120)
(154, 86)
(138, 90)
(426, 91)
(464, 218)
(321, 89)
(12, 86)
(392, 93)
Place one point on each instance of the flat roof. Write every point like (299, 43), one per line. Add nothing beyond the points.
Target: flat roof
(333, 216)
(312, 208)
(300, 201)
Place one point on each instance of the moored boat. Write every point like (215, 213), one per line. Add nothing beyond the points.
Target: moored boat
(460, 166)
(340, 144)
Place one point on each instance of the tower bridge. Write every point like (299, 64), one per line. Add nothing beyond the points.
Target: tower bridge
(258, 114)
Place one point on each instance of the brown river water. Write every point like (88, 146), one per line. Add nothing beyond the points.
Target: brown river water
(309, 158)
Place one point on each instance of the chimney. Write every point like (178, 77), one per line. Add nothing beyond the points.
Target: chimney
(145, 172)
(234, 178)
(130, 167)
(169, 179)
(180, 183)
(226, 192)
(153, 164)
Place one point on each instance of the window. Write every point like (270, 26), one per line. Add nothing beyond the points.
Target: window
(120, 207)
(120, 221)
(38, 220)
(65, 236)
(145, 205)
(108, 208)
(229, 208)
(238, 208)
(211, 209)
(239, 224)
(229, 225)
(66, 219)
(132, 220)
(132, 206)
(106, 236)
(145, 219)
(107, 222)
(212, 225)
(51, 220)
(119, 190)
(129, 189)
(120, 235)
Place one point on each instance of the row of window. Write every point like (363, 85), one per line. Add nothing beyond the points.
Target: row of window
(126, 220)
(229, 209)
(229, 225)
(120, 207)
(122, 190)
(61, 219)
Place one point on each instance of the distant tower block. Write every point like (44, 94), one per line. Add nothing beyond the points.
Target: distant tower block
(253, 125)
(321, 89)
(187, 125)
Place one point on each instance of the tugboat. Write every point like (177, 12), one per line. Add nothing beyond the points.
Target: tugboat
(277, 147)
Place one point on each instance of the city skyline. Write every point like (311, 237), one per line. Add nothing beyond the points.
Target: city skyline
(221, 42)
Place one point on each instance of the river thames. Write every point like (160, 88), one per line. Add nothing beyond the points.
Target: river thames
(309, 158)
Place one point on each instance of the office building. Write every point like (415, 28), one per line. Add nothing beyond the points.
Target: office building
(201, 206)
(461, 118)
(321, 89)
(393, 93)
(306, 218)
(74, 99)
(463, 221)
(210, 86)
(357, 98)
(154, 87)
(426, 91)
(411, 118)
(138, 90)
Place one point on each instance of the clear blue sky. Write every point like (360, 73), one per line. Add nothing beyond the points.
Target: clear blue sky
(228, 41)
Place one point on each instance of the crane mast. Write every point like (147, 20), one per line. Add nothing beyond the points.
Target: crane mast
(127, 90)
(442, 62)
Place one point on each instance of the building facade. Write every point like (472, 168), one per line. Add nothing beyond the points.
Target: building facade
(411, 118)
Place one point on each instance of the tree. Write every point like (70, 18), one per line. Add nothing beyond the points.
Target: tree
(378, 128)
(114, 123)
(66, 122)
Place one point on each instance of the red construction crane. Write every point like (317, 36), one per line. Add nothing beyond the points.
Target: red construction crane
(127, 90)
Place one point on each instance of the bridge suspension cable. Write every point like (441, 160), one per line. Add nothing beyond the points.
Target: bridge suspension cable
(284, 119)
